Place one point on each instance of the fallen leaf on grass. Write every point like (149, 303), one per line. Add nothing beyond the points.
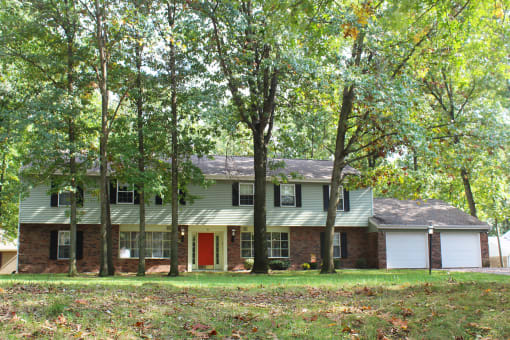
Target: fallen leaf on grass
(399, 323)
(81, 302)
(139, 324)
(311, 318)
(254, 330)
(2, 290)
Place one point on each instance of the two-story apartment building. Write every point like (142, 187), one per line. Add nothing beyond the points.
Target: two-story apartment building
(216, 228)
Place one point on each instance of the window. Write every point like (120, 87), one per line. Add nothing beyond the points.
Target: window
(157, 244)
(336, 245)
(247, 245)
(288, 195)
(246, 191)
(340, 206)
(64, 244)
(125, 193)
(64, 198)
(277, 244)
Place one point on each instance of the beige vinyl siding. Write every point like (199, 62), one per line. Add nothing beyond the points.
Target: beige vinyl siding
(214, 207)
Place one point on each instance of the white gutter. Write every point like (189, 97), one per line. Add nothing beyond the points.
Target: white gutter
(380, 226)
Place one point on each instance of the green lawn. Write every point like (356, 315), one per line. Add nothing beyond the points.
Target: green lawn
(353, 303)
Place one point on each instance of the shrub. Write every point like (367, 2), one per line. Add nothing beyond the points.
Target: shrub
(248, 264)
(305, 266)
(279, 264)
(313, 265)
(337, 263)
(361, 263)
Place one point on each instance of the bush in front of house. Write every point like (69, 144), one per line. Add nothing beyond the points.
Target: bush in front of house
(305, 266)
(361, 263)
(279, 264)
(248, 264)
(337, 263)
(314, 265)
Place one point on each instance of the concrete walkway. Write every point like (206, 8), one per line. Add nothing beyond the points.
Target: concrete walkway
(500, 271)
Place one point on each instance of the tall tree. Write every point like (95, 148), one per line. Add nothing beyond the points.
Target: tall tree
(62, 89)
(251, 41)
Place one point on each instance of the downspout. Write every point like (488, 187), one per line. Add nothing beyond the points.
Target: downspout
(19, 227)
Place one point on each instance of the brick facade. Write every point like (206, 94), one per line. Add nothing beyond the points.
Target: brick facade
(484, 247)
(34, 251)
(304, 243)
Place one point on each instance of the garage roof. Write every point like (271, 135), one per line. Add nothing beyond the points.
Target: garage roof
(421, 213)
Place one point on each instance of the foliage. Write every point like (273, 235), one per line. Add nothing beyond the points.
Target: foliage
(279, 264)
(248, 264)
(305, 266)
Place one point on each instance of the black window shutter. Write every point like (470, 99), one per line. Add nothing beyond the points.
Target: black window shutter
(53, 244)
(343, 245)
(136, 199)
(79, 196)
(159, 200)
(182, 197)
(79, 245)
(322, 244)
(54, 195)
(276, 195)
(235, 193)
(325, 196)
(298, 195)
(113, 191)
(346, 201)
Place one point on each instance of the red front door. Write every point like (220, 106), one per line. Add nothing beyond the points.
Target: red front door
(205, 249)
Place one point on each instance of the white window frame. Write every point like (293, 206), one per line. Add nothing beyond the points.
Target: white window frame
(269, 246)
(239, 197)
(146, 255)
(340, 192)
(64, 245)
(281, 195)
(251, 243)
(62, 193)
(128, 191)
(339, 245)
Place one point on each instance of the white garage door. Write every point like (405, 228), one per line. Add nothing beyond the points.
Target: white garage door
(406, 249)
(460, 249)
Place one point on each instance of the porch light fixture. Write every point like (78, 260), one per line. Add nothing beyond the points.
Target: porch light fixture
(233, 238)
(182, 234)
(431, 231)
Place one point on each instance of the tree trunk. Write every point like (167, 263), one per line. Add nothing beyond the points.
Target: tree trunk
(469, 194)
(109, 238)
(499, 243)
(72, 141)
(141, 162)
(260, 265)
(339, 164)
(103, 180)
(174, 252)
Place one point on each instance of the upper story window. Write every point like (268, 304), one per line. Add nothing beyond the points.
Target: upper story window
(246, 193)
(64, 244)
(64, 198)
(288, 195)
(340, 206)
(125, 193)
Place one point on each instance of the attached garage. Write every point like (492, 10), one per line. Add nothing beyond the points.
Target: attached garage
(460, 249)
(458, 240)
(406, 249)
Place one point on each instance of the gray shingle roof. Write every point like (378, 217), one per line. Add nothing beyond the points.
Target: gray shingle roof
(420, 212)
(237, 166)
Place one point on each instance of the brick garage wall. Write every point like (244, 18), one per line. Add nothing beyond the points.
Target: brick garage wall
(35, 250)
(381, 250)
(372, 254)
(305, 245)
(484, 247)
(436, 250)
